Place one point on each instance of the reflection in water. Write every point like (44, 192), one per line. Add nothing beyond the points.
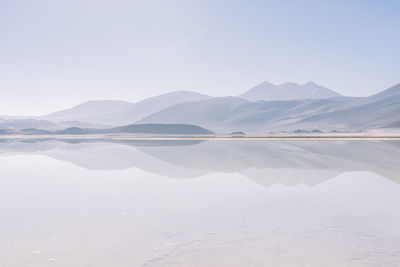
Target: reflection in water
(321, 203)
(265, 162)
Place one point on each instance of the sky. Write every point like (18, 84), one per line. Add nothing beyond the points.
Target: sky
(56, 54)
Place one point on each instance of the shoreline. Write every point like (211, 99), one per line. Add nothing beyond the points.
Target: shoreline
(266, 137)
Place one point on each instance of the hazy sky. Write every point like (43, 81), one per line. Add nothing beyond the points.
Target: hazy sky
(55, 54)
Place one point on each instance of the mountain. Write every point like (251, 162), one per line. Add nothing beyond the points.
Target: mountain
(287, 91)
(211, 112)
(228, 114)
(381, 110)
(338, 113)
(19, 124)
(97, 111)
(116, 113)
(27, 123)
(306, 108)
(153, 104)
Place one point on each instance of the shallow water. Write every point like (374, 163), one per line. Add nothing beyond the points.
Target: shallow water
(214, 203)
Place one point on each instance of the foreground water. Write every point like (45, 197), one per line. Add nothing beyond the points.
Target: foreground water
(226, 203)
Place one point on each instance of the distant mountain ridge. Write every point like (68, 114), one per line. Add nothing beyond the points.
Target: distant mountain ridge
(306, 108)
(26, 123)
(169, 129)
(173, 129)
(288, 91)
(38, 123)
(116, 112)
(337, 113)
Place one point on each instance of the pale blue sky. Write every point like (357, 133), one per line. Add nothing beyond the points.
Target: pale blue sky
(55, 54)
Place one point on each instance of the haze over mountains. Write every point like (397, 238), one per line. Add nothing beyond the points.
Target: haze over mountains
(262, 109)
(117, 113)
(287, 91)
(328, 114)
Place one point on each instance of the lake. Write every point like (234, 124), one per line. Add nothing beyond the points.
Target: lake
(199, 203)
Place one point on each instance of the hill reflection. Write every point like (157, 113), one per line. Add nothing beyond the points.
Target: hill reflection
(265, 162)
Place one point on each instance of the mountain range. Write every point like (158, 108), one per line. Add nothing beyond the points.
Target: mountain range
(264, 108)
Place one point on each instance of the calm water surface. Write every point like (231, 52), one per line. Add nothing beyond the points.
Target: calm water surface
(226, 203)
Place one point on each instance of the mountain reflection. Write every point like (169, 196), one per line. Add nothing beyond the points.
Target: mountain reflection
(265, 162)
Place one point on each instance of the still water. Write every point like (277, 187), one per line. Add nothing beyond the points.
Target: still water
(213, 203)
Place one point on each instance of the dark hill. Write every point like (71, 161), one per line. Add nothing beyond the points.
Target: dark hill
(184, 129)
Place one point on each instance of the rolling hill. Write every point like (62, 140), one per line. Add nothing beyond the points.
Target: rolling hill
(175, 129)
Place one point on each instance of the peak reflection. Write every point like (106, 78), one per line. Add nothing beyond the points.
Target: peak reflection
(265, 162)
